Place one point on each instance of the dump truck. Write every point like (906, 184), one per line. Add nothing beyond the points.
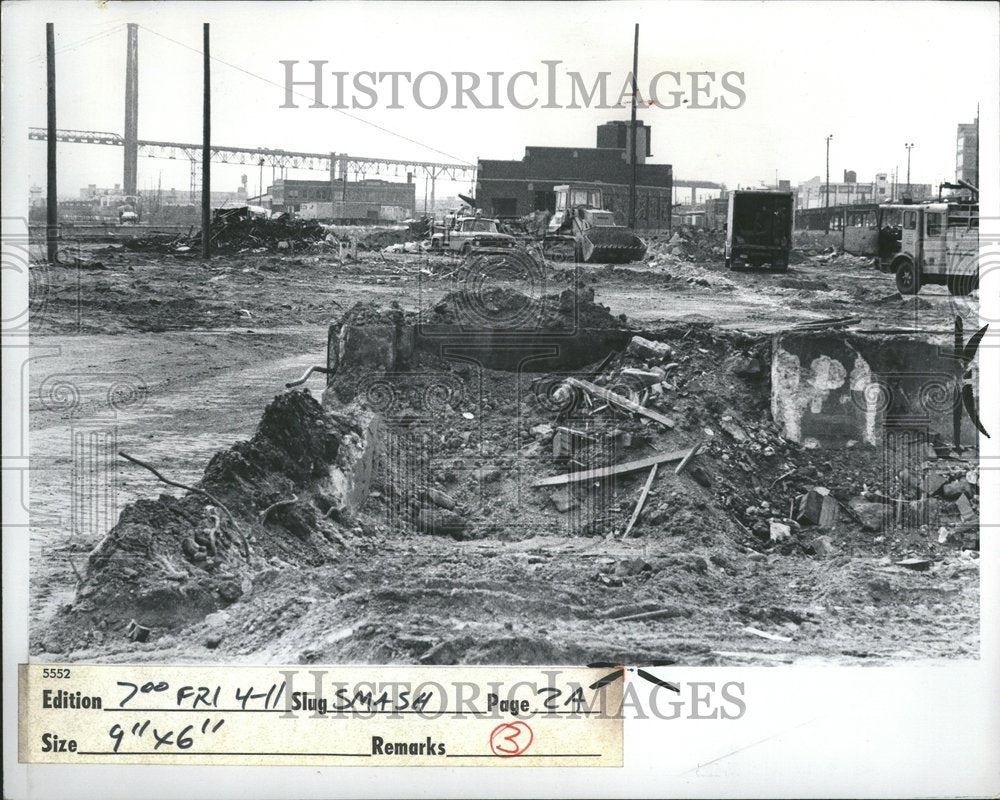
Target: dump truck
(759, 229)
(930, 243)
(597, 238)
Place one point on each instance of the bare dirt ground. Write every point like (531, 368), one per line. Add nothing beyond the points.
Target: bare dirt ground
(187, 355)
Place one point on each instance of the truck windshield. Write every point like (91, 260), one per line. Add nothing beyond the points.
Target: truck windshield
(483, 226)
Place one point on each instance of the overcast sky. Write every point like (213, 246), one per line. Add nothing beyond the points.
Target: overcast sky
(875, 75)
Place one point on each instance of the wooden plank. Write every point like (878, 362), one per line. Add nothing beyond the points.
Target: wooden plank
(620, 402)
(662, 613)
(774, 637)
(687, 459)
(641, 502)
(609, 472)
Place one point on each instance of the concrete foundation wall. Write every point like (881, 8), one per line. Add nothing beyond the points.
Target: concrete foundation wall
(830, 388)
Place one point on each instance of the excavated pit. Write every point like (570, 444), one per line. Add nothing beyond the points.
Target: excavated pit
(418, 534)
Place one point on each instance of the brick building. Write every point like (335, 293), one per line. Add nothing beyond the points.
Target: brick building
(289, 195)
(516, 188)
(967, 153)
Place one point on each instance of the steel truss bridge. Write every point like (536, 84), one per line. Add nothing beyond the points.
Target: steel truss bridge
(339, 164)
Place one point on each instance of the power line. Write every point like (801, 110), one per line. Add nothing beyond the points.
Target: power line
(87, 40)
(305, 97)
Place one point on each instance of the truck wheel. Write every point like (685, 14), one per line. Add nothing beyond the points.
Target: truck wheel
(467, 249)
(907, 277)
(961, 285)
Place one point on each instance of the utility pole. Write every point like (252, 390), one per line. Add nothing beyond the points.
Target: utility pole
(260, 182)
(827, 203)
(635, 142)
(333, 179)
(909, 147)
(52, 201)
(131, 138)
(206, 153)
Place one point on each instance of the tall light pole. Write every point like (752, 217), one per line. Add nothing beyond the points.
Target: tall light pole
(51, 197)
(206, 148)
(827, 203)
(909, 147)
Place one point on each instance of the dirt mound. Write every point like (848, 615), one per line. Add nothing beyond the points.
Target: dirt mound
(504, 307)
(170, 561)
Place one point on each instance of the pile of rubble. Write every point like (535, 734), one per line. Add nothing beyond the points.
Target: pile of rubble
(688, 244)
(238, 230)
(280, 497)
(242, 230)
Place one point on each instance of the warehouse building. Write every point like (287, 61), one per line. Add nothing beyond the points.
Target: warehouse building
(516, 188)
(373, 194)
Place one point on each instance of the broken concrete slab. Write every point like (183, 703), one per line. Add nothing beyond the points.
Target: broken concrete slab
(646, 377)
(965, 508)
(821, 546)
(542, 432)
(648, 349)
(872, 515)
(817, 507)
(780, 532)
(952, 490)
(568, 442)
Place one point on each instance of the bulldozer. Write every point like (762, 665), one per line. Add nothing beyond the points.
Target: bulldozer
(597, 238)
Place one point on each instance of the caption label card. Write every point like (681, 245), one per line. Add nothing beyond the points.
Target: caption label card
(316, 715)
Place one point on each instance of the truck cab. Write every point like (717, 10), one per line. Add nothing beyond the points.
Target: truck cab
(479, 235)
(930, 243)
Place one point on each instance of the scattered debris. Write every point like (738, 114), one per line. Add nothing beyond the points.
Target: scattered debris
(687, 459)
(137, 632)
(774, 637)
(608, 472)
(918, 564)
(648, 349)
(816, 507)
(640, 502)
(619, 401)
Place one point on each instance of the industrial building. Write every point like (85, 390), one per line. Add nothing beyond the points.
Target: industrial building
(516, 188)
(967, 153)
(813, 193)
(368, 195)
